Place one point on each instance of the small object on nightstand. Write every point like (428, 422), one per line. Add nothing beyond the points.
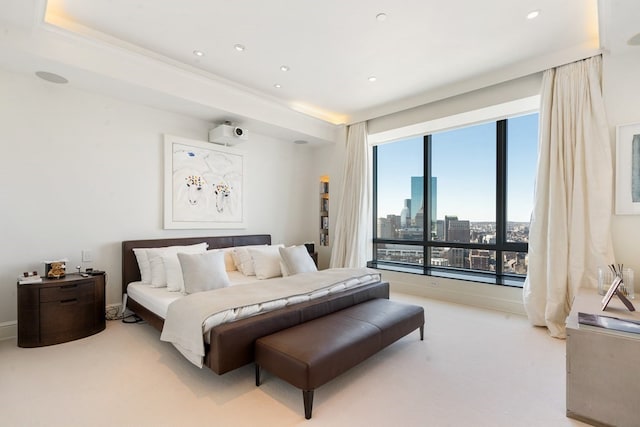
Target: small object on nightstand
(55, 269)
(29, 277)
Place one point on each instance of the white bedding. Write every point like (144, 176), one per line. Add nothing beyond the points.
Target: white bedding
(157, 300)
(187, 322)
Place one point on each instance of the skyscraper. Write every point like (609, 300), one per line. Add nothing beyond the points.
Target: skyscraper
(417, 193)
(405, 214)
(417, 203)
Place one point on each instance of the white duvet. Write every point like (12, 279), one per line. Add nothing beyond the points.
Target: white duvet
(191, 316)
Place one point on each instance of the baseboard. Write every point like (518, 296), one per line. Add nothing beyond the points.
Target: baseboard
(8, 330)
(494, 297)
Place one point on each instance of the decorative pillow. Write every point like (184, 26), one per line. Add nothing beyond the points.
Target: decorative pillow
(283, 268)
(297, 260)
(156, 261)
(266, 261)
(143, 265)
(242, 259)
(204, 271)
(229, 265)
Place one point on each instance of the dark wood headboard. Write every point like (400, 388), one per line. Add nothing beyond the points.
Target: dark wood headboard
(131, 272)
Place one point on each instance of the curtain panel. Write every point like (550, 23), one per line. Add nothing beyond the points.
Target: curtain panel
(569, 235)
(352, 230)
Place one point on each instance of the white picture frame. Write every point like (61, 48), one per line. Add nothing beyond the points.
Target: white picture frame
(628, 169)
(203, 185)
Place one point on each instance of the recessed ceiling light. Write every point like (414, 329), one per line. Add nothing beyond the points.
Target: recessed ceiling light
(300, 141)
(533, 14)
(284, 68)
(372, 79)
(277, 86)
(51, 77)
(198, 53)
(634, 41)
(239, 47)
(381, 17)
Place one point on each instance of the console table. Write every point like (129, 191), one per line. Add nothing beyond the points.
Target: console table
(60, 310)
(603, 380)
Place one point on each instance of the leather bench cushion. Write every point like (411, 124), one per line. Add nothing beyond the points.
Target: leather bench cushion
(315, 352)
(394, 319)
(312, 353)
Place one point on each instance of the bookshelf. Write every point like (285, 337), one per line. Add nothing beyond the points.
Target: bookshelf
(324, 210)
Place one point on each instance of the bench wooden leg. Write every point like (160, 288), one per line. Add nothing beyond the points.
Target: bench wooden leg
(307, 397)
(422, 333)
(257, 375)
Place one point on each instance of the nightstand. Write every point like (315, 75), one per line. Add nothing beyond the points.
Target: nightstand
(60, 310)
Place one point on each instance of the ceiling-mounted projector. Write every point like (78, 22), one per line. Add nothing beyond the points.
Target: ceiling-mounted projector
(228, 134)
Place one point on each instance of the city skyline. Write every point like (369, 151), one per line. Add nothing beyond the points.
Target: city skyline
(464, 168)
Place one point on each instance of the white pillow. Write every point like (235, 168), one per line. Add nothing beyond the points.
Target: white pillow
(296, 259)
(266, 261)
(172, 269)
(156, 260)
(143, 264)
(242, 259)
(204, 271)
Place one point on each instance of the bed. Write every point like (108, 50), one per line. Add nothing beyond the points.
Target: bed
(231, 345)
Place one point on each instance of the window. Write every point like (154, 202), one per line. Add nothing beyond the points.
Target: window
(471, 213)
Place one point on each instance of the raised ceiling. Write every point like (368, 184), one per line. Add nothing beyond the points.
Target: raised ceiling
(423, 50)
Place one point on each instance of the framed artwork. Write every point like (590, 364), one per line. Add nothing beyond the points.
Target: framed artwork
(628, 169)
(203, 185)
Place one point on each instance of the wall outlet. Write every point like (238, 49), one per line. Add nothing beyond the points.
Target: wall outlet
(87, 256)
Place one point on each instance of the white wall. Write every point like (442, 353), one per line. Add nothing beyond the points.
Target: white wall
(81, 171)
(622, 95)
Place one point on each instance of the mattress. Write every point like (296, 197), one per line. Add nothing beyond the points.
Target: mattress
(157, 300)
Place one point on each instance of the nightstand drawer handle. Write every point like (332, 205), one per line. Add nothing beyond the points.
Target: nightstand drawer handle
(67, 287)
(69, 301)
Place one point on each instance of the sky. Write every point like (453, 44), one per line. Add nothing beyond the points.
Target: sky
(464, 161)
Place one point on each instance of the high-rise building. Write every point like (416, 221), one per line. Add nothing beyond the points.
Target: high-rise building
(405, 214)
(417, 202)
(385, 229)
(447, 220)
(417, 193)
(459, 231)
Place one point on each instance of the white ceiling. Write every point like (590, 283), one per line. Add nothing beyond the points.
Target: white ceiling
(423, 50)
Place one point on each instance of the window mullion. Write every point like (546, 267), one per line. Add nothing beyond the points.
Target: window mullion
(501, 192)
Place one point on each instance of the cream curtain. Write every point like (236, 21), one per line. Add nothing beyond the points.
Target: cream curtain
(570, 225)
(352, 230)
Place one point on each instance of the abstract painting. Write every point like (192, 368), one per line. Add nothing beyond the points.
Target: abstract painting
(628, 169)
(203, 185)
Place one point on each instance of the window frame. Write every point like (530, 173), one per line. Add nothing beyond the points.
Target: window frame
(500, 247)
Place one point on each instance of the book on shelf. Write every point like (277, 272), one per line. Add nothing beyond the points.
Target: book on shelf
(325, 222)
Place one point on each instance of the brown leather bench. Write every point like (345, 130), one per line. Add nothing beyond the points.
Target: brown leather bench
(312, 353)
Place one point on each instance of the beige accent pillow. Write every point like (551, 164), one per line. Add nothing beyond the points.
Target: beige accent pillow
(204, 271)
(266, 261)
(242, 259)
(296, 259)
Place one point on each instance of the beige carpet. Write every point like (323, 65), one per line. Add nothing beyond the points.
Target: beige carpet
(474, 368)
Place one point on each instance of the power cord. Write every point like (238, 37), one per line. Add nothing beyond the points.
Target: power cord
(136, 319)
(113, 313)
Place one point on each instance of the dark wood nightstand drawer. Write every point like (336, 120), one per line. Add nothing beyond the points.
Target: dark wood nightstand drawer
(81, 290)
(65, 320)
